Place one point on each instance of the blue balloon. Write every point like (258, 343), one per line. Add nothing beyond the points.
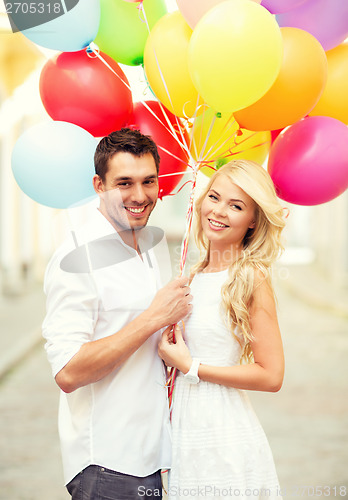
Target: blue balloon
(73, 29)
(53, 163)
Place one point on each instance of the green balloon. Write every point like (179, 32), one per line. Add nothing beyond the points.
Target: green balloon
(122, 31)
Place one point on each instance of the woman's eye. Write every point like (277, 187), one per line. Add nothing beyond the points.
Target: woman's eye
(237, 207)
(213, 197)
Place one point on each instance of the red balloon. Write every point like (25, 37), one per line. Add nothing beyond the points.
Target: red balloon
(82, 90)
(275, 133)
(176, 159)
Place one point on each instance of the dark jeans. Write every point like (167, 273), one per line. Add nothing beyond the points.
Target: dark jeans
(98, 483)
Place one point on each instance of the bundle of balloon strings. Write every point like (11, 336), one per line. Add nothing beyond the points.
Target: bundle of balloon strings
(172, 372)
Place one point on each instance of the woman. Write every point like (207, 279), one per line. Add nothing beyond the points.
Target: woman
(233, 342)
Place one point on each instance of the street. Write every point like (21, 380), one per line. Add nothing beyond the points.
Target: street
(306, 422)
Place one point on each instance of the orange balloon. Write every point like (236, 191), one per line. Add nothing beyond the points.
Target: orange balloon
(297, 88)
(334, 100)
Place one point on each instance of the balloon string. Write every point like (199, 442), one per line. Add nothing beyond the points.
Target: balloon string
(155, 54)
(229, 152)
(232, 153)
(183, 145)
(215, 148)
(184, 247)
(207, 136)
(173, 155)
(174, 173)
(228, 125)
(180, 188)
(180, 127)
(171, 130)
(157, 62)
(192, 139)
(141, 8)
(95, 50)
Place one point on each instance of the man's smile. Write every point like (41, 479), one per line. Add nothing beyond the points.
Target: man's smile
(136, 211)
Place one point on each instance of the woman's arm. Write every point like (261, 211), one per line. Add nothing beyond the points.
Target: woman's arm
(267, 371)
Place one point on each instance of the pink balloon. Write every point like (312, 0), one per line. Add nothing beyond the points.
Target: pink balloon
(308, 162)
(279, 6)
(327, 20)
(193, 10)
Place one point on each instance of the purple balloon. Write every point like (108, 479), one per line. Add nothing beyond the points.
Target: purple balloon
(308, 162)
(327, 20)
(280, 6)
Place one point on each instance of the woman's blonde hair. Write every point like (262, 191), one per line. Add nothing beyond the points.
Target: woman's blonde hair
(261, 244)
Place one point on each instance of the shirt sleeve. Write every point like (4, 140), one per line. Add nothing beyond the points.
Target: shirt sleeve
(72, 312)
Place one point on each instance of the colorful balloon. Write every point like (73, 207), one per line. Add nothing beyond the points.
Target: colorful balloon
(275, 133)
(235, 54)
(53, 163)
(334, 100)
(327, 20)
(193, 10)
(166, 66)
(123, 31)
(82, 90)
(217, 139)
(308, 162)
(279, 6)
(297, 88)
(174, 157)
(71, 31)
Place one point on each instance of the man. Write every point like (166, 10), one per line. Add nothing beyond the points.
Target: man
(105, 309)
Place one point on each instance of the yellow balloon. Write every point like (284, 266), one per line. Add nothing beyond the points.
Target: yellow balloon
(334, 100)
(235, 54)
(166, 66)
(217, 139)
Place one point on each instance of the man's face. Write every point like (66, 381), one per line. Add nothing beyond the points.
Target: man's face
(130, 191)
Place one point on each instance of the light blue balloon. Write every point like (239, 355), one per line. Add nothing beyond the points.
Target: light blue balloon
(53, 163)
(70, 32)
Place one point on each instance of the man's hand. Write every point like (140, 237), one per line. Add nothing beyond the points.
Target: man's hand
(172, 303)
(96, 359)
(177, 354)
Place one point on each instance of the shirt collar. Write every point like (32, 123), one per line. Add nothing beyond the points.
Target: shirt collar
(102, 228)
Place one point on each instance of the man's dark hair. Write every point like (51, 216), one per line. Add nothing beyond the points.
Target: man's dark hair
(125, 140)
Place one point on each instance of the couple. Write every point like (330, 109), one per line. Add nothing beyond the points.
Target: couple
(107, 308)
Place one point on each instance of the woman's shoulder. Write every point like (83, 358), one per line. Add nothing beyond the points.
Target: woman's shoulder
(261, 276)
(262, 289)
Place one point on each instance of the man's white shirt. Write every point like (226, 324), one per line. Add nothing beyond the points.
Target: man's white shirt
(95, 285)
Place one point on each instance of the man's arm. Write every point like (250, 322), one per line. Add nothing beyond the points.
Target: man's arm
(96, 359)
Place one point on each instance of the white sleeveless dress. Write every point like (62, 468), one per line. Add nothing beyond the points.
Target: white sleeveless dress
(219, 447)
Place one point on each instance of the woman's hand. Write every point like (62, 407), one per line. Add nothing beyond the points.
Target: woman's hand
(174, 354)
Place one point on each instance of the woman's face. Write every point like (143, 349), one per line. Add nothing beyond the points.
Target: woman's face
(227, 213)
